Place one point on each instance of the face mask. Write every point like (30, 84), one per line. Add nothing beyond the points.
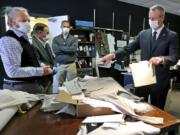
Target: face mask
(153, 24)
(65, 31)
(45, 39)
(24, 27)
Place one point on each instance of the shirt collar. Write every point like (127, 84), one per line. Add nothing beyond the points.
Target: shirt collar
(43, 43)
(158, 30)
(65, 36)
(17, 32)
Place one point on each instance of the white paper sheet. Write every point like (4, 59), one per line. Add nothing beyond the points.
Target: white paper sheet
(121, 43)
(118, 118)
(111, 125)
(5, 115)
(111, 42)
(100, 103)
(143, 73)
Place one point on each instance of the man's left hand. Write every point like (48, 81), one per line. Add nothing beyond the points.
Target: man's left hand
(156, 60)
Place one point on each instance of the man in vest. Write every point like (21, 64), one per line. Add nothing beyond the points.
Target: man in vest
(22, 69)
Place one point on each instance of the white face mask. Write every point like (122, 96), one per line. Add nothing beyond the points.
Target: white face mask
(24, 27)
(65, 31)
(45, 39)
(153, 24)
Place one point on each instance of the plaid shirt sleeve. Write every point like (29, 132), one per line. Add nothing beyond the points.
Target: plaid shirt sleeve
(10, 52)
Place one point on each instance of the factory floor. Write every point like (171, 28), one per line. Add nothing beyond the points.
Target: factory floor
(173, 104)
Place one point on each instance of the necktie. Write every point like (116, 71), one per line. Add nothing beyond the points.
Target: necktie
(154, 39)
(154, 35)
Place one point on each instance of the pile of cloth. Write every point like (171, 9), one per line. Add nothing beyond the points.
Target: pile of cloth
(19, 101)
(12, 101)
(106, 92)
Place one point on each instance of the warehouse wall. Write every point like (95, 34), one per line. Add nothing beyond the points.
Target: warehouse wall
(83, 9)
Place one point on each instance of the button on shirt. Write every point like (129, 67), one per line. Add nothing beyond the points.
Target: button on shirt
(10, 52)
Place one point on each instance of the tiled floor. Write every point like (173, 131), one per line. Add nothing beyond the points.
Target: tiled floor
(173, 102)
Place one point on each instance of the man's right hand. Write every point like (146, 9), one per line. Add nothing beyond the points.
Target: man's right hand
(108, 58)
(47, 70)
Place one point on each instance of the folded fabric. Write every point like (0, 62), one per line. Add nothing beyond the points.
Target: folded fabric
(130, 128)
(49, 104)
(5, 115)
(126, 107)
(97, 86)
(10, 98)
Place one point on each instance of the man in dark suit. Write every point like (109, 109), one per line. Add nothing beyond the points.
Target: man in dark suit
(40, 36)
(158, 45)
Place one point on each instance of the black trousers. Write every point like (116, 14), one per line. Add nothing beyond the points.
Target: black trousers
(158, 93)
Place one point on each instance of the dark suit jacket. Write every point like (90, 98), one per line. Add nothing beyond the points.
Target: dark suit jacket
(166, 46)
(44, 55)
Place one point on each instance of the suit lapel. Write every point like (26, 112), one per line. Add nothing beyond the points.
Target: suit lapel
(149, 36)
(162, 35)
(49, 52)
(42, 50)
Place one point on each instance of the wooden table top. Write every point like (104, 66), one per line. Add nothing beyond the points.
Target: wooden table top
(169, 120)
(36, 122)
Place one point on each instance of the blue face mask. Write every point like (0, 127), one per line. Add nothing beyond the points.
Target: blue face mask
(65, 31)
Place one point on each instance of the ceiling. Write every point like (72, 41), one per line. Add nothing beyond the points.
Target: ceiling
(171, 6)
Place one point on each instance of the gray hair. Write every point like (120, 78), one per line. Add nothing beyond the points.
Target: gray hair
(160, 8)
(10, 11)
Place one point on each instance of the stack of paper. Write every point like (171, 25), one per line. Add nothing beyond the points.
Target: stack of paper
(143, 73)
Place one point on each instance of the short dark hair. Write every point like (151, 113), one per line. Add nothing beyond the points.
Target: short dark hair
(39, 27)
(65, 21)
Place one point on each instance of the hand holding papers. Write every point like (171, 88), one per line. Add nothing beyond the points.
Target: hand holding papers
(143, 73)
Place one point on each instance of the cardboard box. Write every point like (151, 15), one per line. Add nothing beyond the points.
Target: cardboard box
(82, 109)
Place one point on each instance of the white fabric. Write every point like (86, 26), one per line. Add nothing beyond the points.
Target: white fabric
(99, 103)
(130, 128)
(50, 104)
(111, 42)
(115, 118)
(125, 107)
(5, 115)
(8, 102)
(10, 98)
